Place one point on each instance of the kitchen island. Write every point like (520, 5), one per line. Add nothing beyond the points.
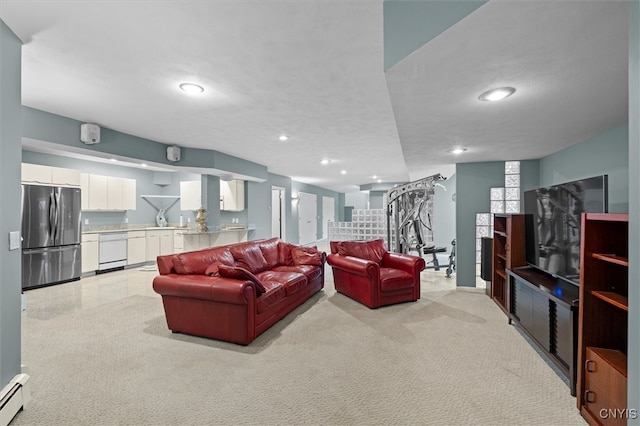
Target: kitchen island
(189, 239)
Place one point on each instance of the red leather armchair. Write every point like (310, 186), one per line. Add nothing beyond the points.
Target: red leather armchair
(366, 272)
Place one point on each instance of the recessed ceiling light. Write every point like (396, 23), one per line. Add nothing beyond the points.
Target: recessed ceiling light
(325, 162)
(283, 138)
(343, 172)
(191, 88)
(144, 164)
(114, 160)
(497, 94)
(379, 180)
(374, 177)
(458, 150)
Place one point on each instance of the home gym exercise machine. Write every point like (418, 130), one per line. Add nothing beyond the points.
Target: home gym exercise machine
(409, 227)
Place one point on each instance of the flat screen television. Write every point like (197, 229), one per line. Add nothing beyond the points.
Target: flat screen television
(553, 222)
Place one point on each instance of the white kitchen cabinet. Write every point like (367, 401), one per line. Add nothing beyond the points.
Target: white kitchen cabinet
(47, 175)
(232, 195)
(84, 191)
(36, 174)
(109, 193)
(190, 195)
(158, 242)
(129, 199)
(65, 177)
(90, 252)
(136, 247)
(98, 192)
(178, 241)
(114, 193)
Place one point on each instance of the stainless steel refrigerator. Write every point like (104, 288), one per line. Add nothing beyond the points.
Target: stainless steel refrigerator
(50, 235)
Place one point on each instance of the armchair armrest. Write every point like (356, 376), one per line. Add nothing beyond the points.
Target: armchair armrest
(354, 265)
(404, 262)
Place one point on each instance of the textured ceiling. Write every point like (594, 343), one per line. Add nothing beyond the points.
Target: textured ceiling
(314, 70)
(567, 61)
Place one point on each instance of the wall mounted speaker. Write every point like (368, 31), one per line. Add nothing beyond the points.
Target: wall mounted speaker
(173, 153)
(90, 133)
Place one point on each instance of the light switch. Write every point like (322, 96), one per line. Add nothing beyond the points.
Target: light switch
(14, 240)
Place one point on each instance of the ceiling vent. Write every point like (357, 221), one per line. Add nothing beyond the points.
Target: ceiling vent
(173, 153)
(90, 133)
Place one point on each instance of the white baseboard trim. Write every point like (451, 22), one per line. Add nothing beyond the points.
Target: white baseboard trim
(14, 397)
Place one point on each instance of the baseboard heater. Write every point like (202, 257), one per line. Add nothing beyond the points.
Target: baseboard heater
(13, 398)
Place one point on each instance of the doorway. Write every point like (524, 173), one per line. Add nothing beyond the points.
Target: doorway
(308, 218)
(328, 215)
(277, 213)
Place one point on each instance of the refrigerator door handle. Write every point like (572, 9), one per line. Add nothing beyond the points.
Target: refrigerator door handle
(52, 217)
(58, 220)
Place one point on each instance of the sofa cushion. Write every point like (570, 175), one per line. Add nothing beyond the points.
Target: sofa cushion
(291, 281)
(394, 279)
(213, 270)
(249, 256)
(309, 271)
(269, 250)
(275, 292)
(241, 274)
(197, 262)
(369, 250)
(284, 253)
(306, 256)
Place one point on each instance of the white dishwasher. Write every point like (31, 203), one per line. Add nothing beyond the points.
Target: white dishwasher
(113, 250)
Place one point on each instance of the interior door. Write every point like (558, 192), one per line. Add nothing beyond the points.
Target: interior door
(307, 217)
(277, 212)
(328, 215)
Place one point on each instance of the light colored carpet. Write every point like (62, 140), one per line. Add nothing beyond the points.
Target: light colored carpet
(449, 359)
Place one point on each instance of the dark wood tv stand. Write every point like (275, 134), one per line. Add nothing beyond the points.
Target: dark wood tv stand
(546, 309)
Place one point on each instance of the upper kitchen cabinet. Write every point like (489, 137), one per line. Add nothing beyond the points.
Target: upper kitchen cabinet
(232, 195)
(190, 195)
(46, 175)
(107, 193)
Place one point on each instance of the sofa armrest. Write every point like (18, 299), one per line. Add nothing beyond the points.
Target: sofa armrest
(218, 289)
(354, 265)
(404, 262)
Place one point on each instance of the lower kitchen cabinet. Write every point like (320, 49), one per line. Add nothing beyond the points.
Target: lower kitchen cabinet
(136, 247)
(158, 242)
(90, 252)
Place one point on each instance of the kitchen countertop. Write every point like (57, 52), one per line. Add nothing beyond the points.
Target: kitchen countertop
(186, 231)
(213, 231)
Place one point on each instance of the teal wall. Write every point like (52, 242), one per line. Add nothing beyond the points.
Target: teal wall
(607, 153)
(43, 126)
(376, 199)
(410, 24)
(10, 219)
(320, 192)
(473, 187)
(633, 367)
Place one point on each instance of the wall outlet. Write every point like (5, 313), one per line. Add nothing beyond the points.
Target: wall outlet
(126, 220)
(86, 221)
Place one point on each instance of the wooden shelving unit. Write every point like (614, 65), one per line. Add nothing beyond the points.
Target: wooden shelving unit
(603, 318)
(508, 253)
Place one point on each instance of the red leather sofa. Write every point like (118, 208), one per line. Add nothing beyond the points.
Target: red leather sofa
(366, 272)
(236, 292)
